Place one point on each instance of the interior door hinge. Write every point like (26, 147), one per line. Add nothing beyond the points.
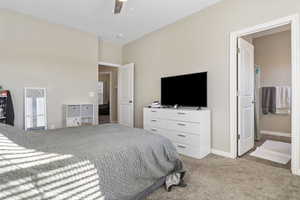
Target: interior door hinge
(238, 50)
(238, 136)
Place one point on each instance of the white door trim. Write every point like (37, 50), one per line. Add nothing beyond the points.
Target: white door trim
(294, 21)
(109, 64)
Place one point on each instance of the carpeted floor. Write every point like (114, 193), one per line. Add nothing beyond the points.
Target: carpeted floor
(218, 178)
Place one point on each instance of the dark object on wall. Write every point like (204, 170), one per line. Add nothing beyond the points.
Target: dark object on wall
(7, 115)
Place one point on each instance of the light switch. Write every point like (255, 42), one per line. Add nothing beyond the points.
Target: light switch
(92, 94)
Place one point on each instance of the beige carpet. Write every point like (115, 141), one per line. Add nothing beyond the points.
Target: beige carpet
(218, 178)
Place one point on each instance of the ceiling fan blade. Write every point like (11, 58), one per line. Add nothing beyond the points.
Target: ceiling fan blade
(118, 7)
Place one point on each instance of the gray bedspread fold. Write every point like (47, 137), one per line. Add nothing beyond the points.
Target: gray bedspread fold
(109, 162)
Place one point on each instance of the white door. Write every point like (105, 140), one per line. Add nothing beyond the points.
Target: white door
(245, 96)
(126, 95)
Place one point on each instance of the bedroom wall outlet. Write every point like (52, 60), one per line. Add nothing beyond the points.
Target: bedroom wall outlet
(92, 94)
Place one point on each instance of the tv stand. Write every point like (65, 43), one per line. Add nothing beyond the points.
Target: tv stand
(188, 129)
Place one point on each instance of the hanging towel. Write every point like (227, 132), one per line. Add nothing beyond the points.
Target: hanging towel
(268, 100)
(283, 99)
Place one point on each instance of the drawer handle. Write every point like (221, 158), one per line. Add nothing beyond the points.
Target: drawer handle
(153, 120)
(181, 113)
(153, 129)
(153, 111)
(180, 135)
(181, 146)
(181, 124)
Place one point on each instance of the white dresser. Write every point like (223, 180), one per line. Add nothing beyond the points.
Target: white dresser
(188, 129)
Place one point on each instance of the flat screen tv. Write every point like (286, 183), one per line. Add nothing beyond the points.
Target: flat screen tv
(188, 90)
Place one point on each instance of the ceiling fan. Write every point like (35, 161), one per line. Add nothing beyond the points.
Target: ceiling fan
(118, 6)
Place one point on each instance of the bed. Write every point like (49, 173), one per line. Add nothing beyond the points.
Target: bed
(106, 162)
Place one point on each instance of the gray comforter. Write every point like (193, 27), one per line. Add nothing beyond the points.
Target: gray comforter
(109, 162)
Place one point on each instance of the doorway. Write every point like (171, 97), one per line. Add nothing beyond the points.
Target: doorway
(266, 134)
(116, 93)
(104, 97)
(107, 94)
(243, 104)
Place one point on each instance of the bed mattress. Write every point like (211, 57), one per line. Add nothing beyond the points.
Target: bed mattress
(109, 162)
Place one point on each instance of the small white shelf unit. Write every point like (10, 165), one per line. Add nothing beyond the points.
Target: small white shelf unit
(79, 115)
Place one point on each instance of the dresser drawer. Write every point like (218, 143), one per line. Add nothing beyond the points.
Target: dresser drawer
(152, 122)
(155, 130)
(153, 112)
(184, 138)
(187, 127)
(162, 132)
(188, 150)
(186, 115)
(176, 137)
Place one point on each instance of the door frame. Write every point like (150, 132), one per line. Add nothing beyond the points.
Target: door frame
(110, 95)
(295, 116)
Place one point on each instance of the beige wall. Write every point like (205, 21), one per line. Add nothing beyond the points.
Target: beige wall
(199, 43)
(114, 94)
(35, 53)
(273, 55)
(109, 52)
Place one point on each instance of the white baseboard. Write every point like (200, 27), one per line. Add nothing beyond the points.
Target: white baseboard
(275, 133)
(296, 172)
(221, 153)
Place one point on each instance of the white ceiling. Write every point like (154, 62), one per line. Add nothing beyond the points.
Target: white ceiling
(138, 17)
